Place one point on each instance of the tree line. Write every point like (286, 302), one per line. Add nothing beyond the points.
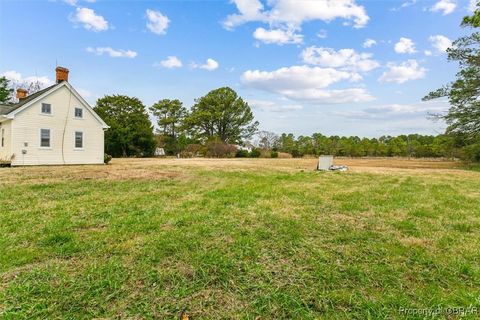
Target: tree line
(217, 121)
(220, 123)
(412, 145)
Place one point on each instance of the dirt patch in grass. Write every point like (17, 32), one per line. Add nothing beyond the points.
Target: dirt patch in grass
(170, 168)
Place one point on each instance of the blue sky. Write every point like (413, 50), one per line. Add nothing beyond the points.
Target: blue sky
(343, 67)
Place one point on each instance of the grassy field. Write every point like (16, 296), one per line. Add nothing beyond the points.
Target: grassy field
(241, 239)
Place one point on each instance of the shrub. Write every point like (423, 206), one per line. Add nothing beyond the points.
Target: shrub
(296, 153)
(219, 149)
(255, 153)
(274, 154)
(241, 153)
(472, 152)
(107, 158)
(284, 155)
(192, 150)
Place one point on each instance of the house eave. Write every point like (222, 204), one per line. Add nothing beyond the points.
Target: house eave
(4, 118)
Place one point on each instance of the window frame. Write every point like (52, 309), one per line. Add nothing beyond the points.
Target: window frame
(75, 112)
(49, 138)
(75, 140)
(46, 113)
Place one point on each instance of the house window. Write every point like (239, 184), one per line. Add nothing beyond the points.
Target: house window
(46, 108)
(78, 140)
(3, 138)
(45, 138)
(78, 113)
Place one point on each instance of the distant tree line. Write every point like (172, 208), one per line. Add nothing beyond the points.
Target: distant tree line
(413, 145)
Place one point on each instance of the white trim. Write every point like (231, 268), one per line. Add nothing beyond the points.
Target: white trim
(55, 88)
(50, 147)
(86, 105)
(4, 118)
(46, 113)
(75, 141)
(74, 113)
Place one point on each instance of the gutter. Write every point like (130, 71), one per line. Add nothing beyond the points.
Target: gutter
(5, 118)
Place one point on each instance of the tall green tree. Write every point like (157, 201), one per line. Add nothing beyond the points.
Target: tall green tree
(463, 117)
(130, 132)
(223, 114)
(5, 90)
(170, 115)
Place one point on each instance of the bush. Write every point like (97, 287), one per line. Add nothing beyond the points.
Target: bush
(255, 153)
(296, 153)
(274, 154)
(219, 149)
(192, 150)
(242, 154)
(472, 152)
(284, 155)
(107, 158)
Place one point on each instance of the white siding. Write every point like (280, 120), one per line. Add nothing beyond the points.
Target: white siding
(62, 124)
(5, 151)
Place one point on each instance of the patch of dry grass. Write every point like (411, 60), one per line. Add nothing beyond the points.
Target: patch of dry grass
(238, 238)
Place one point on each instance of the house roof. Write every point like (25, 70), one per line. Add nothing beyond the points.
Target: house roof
(6, 109)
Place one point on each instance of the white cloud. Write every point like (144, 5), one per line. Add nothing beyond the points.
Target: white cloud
(89, 19)
(427, 53)
(405, 45)
(322, 34)
(368, 43)
(440, 43)
(112, 52)
(170, 63)
(157, 22)
(210, 65)
(320, 96)
(295, 77)
(278, 36)
(347, 59)
(403, 72)
(84, 93)
(446, 6)
(405, 4)
(74, 2)
(408, 3)
(18, 80)
(270, 106)
(472, 6)
(304, 83)
(396, 111)
(12, 75)
(291, 14)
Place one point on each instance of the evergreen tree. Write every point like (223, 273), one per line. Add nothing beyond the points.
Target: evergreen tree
(130, 132)
(5, 90)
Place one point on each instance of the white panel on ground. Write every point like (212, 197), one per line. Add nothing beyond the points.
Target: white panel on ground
(324, 162)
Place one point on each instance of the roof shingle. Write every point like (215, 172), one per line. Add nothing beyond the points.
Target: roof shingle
(6, 109)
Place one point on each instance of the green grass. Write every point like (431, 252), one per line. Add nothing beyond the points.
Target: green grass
(241, 244)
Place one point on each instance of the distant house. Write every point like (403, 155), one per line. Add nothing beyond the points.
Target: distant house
(53, 126)
(247, 147)
(159, 152)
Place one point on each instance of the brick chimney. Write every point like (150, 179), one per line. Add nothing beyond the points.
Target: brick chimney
(61, 74)
(21, 93)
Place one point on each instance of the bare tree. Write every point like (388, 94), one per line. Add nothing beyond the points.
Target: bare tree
(267, 139)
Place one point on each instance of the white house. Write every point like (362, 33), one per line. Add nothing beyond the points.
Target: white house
(54, 126)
